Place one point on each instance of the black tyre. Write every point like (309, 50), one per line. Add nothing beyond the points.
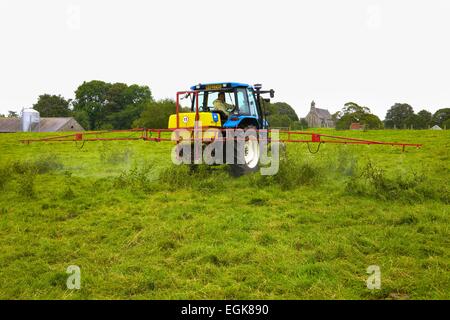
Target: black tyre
(247, 161)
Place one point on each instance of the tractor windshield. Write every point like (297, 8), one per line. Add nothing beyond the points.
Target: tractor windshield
(206, 100)
(246, 102)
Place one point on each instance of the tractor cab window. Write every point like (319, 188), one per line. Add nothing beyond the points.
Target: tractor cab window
(201, 100)
(206, 100)
(186, 102)
(242, 99)
(213, 96)
(252, 103)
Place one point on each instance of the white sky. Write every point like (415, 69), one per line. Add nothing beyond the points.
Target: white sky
(372, 52)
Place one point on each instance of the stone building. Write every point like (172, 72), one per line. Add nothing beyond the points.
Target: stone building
(319, 118)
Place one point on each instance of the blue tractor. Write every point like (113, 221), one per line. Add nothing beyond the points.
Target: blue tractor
(244, 110)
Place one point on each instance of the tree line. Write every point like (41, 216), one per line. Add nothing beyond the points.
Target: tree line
(402, 116)
(353, 112)
(282, 115)
(100, 105)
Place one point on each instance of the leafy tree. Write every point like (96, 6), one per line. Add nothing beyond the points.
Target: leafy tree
(412, 122)
(125, 104)
(52, 106)
(303, 124)
(299, 125)
(124, 119)
(352, 112)
(136, 94)
(116, 100)
(423, 119)
(283, 108)
(345, 121)
(398, 115)
(91, 98)
(281, 114)
(156, 114)
(82, 118)
(279, 121)
(371, 121)
(12, 114)
(446, 124)
(355, 109)
(108, 105)
(441, 116)
(336, 116)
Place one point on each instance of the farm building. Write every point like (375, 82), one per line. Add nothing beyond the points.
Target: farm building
(356, 126)
(44, 125)
(319, 118)
(9, 124)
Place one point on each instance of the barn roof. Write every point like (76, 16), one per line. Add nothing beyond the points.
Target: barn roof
(53, 124)
(46, 124)
(9, 124)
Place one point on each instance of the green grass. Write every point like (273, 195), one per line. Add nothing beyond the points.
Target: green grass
(142, 228)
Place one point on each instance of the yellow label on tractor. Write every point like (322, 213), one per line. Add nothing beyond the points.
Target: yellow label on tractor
(187, 120)
(213, 87)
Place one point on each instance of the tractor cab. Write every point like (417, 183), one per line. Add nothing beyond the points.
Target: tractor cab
(222, 105)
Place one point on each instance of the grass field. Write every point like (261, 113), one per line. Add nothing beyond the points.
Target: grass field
(142, 228)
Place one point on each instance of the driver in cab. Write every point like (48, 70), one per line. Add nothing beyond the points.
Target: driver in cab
(221, 105)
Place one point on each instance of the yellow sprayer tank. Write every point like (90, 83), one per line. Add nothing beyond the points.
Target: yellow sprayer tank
(187, 120)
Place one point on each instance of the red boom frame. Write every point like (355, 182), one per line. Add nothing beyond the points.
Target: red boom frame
(155, 134)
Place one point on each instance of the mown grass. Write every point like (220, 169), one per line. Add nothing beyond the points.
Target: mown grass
(142, 228)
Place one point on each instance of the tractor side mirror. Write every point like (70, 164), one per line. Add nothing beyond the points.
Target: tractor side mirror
(272, 93)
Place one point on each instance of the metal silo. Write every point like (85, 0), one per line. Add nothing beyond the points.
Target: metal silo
(30, 120)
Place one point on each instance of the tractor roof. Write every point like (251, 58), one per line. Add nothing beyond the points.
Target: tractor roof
(219, 85)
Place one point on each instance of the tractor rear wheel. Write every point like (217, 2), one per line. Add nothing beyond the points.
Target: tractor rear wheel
(248, 161)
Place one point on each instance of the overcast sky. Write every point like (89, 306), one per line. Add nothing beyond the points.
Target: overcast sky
(372, 52)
